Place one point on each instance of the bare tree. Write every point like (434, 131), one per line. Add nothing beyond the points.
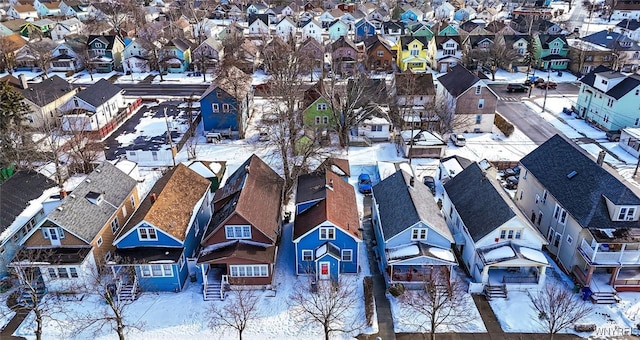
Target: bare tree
(31, 292)
(236, 312)
(104, 282)
(496, 56)
(82, 150)
(42, 50)
(87, 60)
(287, 66)
(441, 302)
(329, 305)
(7, 56)
(558, 308)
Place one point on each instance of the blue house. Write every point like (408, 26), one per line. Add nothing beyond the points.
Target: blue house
(411, 14)
(412, 236)
(363, 30)
(165, 230)
(325, 231)
(175, 56)
(225, 104)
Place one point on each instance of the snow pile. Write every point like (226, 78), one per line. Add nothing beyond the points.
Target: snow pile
(402, 252)
(533, 255)
(499, 253)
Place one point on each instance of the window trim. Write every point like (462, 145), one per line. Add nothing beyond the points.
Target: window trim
(343, 255)
(165, 269)
(419, 234)
(148, 234)
(234, 270)
(307, 253)
(329, 233)
(231, 232)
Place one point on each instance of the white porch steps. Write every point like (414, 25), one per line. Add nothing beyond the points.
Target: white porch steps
(495, 292)
(212, 291)
(604, 298)
(128, 292)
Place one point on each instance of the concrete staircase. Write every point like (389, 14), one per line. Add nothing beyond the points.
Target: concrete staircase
(495, 292)
(128, 291)
(604, 297)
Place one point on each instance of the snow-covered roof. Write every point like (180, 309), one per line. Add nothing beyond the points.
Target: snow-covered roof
(402, 252)
(499, 253)
(533, 255)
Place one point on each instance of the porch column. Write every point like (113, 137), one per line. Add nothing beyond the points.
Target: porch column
(624, 246)
(543, 274)
(204, 275)
(485, 274)
(595, 251)
(614, 275)
(391, 274)
(589, 275)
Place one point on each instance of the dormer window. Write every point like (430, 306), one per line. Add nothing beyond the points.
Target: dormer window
(94, 197)
(626, 213)
(419, 234)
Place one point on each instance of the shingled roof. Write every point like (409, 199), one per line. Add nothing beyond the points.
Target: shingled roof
(84, 218)
(583, 195)
(402, 206)
(16, 193)
(628, 84)
(458, 80)
(99, 93)
(177, 194)
(338, 207)
(253, 191)
(478, 202)
(414, 84)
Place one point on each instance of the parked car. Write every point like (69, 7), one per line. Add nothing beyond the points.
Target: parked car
(535, 81)
(364, 183)
(613, 135)
(512, 182)
(517, 88)
(547, 85)
(458, 139)
(515, 171)
(430, 183)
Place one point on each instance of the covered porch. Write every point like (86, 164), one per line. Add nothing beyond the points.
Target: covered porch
(512, 266)
(414, 264)
(102, 64)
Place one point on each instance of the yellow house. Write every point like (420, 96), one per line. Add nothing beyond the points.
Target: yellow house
(412, 53)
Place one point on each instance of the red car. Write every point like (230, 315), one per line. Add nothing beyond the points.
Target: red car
(547, 85)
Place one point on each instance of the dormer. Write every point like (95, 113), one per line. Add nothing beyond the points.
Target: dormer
(605, 81)
(94, 197)
(620, 212)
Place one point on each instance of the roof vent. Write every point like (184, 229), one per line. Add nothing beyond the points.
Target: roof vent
(59, 208)
(98, 170)
(572, 174)
(72, 196)
(88, 180)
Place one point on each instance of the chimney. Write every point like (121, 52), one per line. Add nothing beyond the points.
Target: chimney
(23, 81)
(329, 185)
(153, 197)
(412, 181)
(601, 155)
(63, 193)
(246, 169)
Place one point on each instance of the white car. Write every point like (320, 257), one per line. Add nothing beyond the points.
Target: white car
(458, 139)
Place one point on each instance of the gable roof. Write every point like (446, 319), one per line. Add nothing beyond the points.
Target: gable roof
(631, 25)
(340, 166)
(343, 42)
(230, 81)
(478, 202)
(409, 83)
(99, 93)
(177, 194)
(458, 80)
(84, 218)
(16, 193)
(406, 40)
(612, 40)
(338, 207)
(253, 191)
(47, 91)
(546, 39)
(582, 196)
(628, 84)
(107, 40)
(402, 206)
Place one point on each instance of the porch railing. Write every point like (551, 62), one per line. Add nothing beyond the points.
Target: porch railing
(520, 279)
(134, 290)
(610, 257)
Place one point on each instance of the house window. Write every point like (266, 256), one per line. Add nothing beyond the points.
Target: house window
(317, 119)
(479, 117)
(327, 233)
(556, 239)
(415, 52)
(215, 107)
(380, 54)
(376, 128)
(307, 255)
(626, 213)
(235, 232)
(114, 225)
(544, 197)
(321, 106)
(99, 242)
(563, 217)
(510, 234)
(539, 218)
(156, 270)
(147, 234)
(569, 239)
(133, 201)
(480, 105)
(52, 273)
(419, 233)
(325, 120)
(154, 155)
(63, 273)
(554, 51)
(537, 198)
(347, 255)
(249, 270)
(225, 107)
(604, 81)
(478, 89)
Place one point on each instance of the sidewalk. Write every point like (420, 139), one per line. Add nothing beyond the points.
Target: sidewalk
(383, 308)
(10, 328)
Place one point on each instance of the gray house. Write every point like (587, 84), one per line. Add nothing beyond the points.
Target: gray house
(410, 231)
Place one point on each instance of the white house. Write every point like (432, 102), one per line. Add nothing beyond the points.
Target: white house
(135, 56)
(499, 247)
(375, 123)
(259, 25)
(22, 12)
(94, 109)
(66, 58)
(630, 141)
(286, 29)
(312, 29)
(65, 28)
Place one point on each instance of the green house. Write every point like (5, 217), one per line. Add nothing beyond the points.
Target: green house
(421, 30)
(318, 115)
(552, 51)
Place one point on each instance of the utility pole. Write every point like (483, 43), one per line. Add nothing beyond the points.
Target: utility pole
(173, 155)
(546, 88)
